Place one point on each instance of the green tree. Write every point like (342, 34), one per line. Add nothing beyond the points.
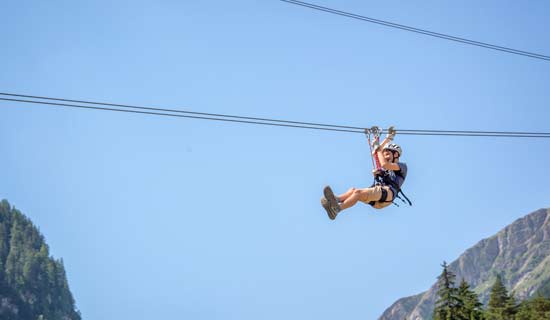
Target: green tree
(511, 307)
(471, 307)
(448, 304)
(500, 304)
(32, 284)
(535, 309)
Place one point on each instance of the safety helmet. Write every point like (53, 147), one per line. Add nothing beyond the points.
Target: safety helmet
(394, 147)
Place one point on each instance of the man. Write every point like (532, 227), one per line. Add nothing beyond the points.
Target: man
(388, 181)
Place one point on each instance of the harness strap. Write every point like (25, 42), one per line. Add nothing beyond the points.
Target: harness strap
(380, 181)
(409, 201)
(384, 196)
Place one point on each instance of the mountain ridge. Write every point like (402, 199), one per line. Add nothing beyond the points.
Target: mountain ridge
(519, 252)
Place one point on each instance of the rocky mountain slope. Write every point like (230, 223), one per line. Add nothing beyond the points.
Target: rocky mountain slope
(520, 253)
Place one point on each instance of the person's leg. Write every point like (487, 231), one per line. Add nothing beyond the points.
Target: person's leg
(364, 195)
(345, 195)
(387, 201)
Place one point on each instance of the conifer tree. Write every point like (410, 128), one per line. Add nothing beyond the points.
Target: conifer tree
(535, 309)
(541, 307)
(31, 282)
(471, 308)
(448, 304)
(511, 307)
(498, 301)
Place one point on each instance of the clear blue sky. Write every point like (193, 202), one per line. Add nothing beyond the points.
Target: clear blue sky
(167, 218)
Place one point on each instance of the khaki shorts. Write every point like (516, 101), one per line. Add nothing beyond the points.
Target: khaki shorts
(373, 194)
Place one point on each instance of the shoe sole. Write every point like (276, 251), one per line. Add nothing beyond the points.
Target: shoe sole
(331, 214)
(329, 195)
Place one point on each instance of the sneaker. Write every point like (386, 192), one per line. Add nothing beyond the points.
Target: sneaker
(328, 208)
(333, 203)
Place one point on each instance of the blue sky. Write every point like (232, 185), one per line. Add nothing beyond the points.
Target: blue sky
(168, 218)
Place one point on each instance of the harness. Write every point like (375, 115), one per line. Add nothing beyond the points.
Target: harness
(383, 179)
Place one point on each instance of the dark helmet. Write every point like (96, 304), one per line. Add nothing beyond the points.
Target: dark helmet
(394, 147)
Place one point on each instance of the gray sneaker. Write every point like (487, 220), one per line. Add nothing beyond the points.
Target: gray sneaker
(333, 203)
(328, 208)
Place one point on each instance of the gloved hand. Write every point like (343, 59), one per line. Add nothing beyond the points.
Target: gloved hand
(391, 133)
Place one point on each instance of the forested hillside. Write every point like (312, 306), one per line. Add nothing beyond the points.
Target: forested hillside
(32, 284)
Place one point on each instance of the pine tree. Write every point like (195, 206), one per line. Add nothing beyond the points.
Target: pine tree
(448, 304)
(511, 308)
(524, 311)
(498, 301)
(31, 282)
(535, 309)
(471, 308)
(541, 307)
(16, 253)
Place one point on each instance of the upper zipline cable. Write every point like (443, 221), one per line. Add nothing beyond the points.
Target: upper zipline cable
(175, 115)
(420, 31)
(104, 106)
(178, 111)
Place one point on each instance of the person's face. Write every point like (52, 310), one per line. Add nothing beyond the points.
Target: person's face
(388, 155)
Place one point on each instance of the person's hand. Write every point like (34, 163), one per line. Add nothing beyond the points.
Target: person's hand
(391, 133)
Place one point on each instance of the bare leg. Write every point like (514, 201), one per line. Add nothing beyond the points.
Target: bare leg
(364, 195)
(350, 201)
(346, 195)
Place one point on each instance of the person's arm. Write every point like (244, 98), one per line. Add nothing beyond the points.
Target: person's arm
(383, 163)
(377, 152)
(388, 139)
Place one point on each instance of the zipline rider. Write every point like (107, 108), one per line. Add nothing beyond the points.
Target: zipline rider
(389, 176)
